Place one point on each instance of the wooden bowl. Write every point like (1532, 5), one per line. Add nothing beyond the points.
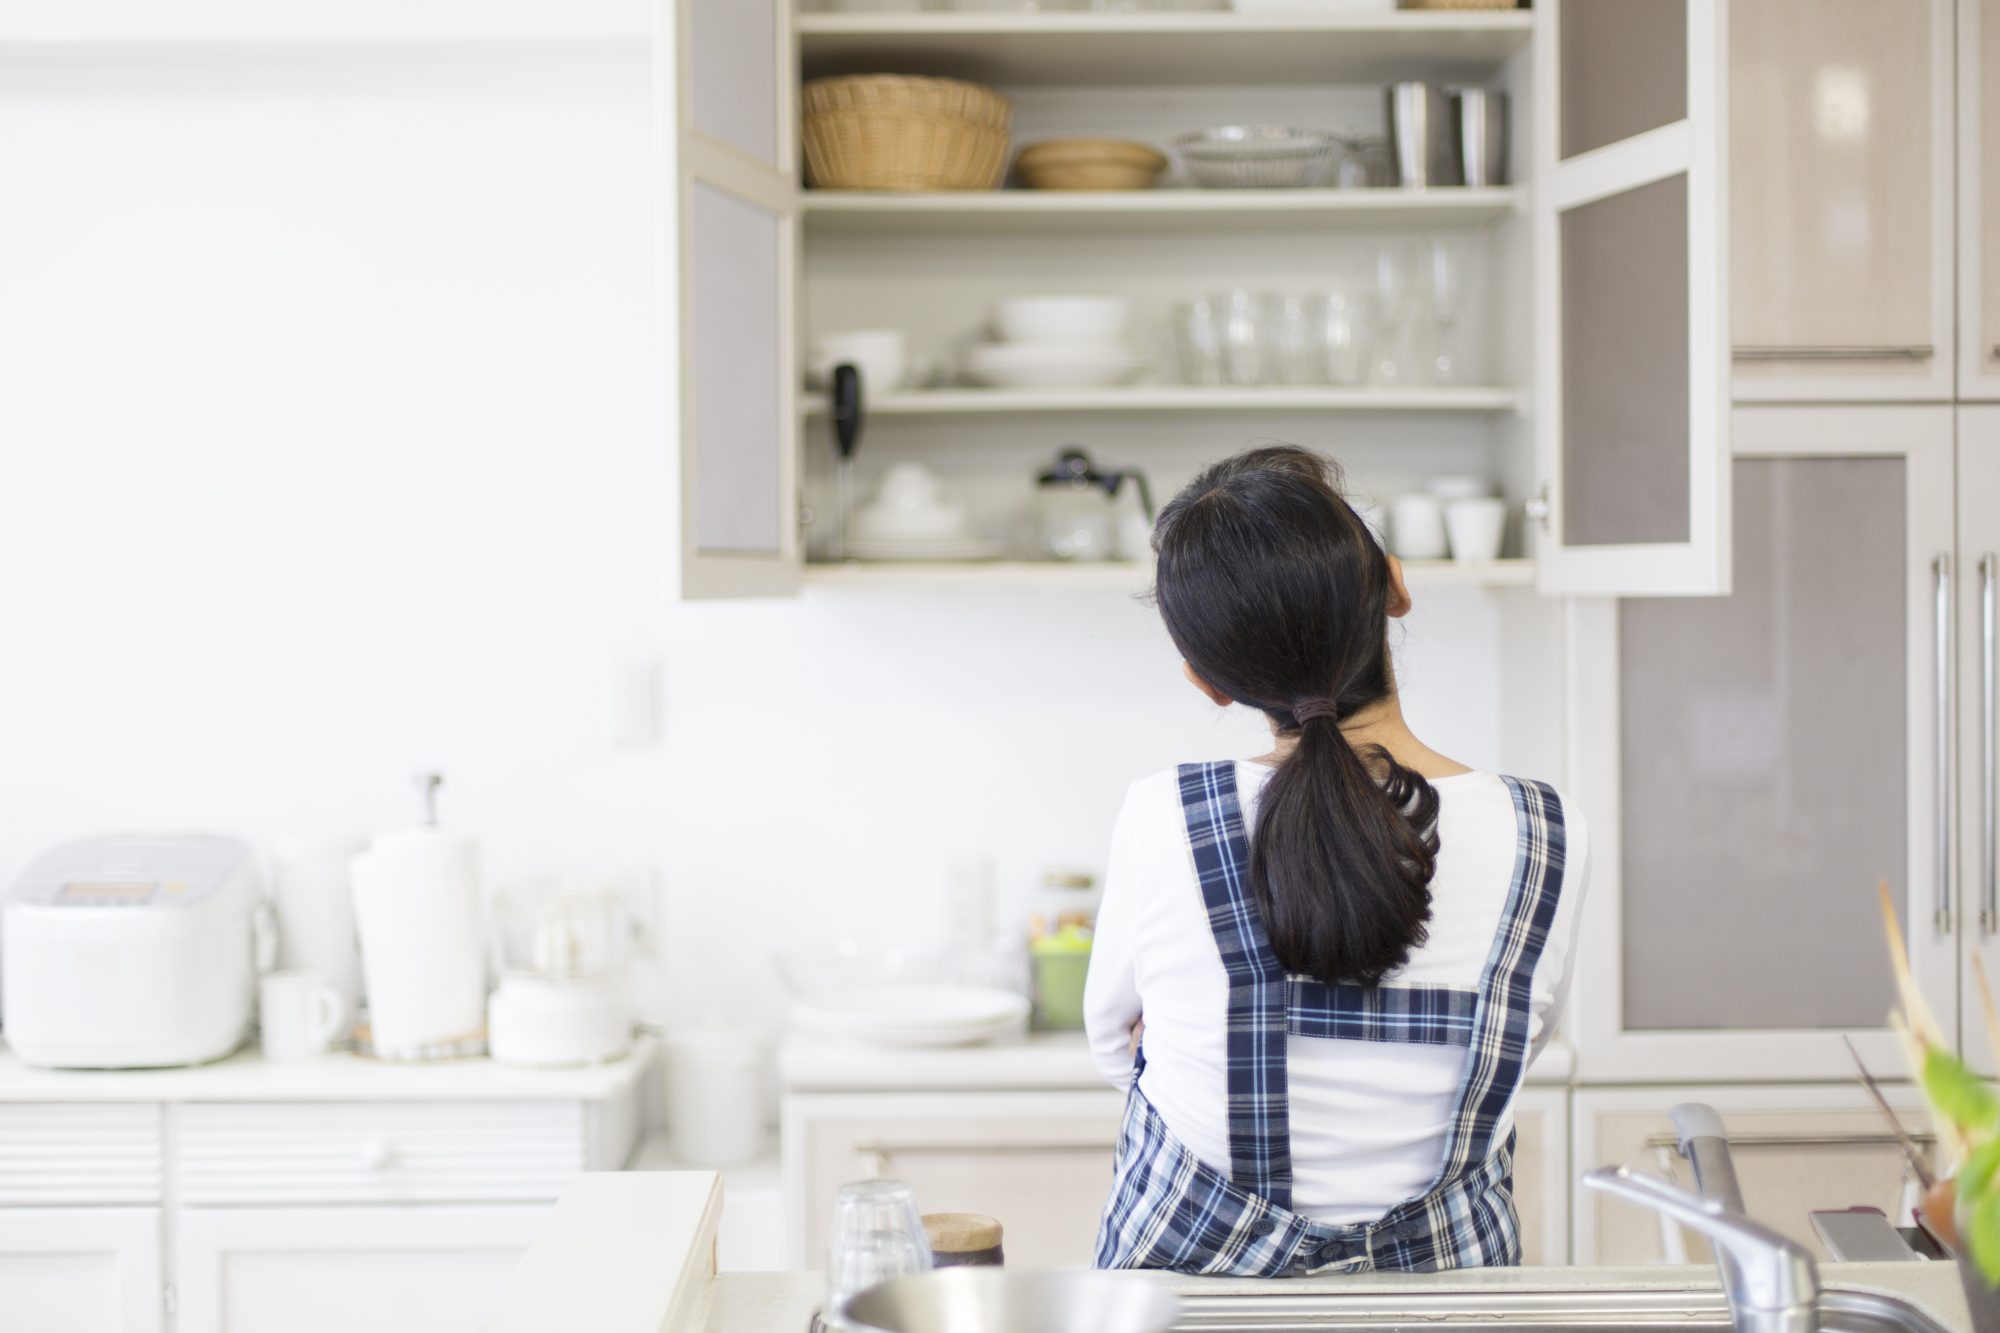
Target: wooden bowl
(1089, 164)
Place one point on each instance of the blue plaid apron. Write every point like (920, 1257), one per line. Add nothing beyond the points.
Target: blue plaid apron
(1170, 1210)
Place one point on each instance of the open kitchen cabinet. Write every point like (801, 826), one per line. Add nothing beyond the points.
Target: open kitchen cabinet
(1618, 453)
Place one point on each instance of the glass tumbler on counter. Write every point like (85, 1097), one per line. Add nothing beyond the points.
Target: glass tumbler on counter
(1198, 342)
(877, 1235)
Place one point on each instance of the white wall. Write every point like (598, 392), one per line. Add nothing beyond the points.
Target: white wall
(329, 451)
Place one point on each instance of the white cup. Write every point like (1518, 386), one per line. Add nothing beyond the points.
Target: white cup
(1416, 527)
(881, 355)
(1476, 528)
(299, 1014)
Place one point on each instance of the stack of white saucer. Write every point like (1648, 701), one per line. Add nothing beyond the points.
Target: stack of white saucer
(914, 515)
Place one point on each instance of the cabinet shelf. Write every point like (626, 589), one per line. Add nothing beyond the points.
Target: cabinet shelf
(1180, 398)
(1014, 211)
(1165, 48)
(1124, 577)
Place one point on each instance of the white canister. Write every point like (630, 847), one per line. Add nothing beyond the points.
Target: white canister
(1416, 527)
(314, 897)
(1476, 528)
(716, 1093)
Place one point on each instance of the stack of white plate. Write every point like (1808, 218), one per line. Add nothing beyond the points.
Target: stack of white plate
(915, 515)
(1057, 342)
(906, 1014)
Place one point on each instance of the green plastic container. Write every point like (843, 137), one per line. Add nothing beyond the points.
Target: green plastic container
(1061, 962)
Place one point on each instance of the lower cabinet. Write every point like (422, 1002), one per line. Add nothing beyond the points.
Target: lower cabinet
(1797, 1149)
(1040, 1162)
(81, 1270)
(422, 1269)
(1541, 1174)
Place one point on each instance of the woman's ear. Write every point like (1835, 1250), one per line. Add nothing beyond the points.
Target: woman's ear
(1399, 592)
(1216, 696)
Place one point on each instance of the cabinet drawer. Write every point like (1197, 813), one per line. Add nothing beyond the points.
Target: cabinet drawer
(378, 1152)
(79, 1152)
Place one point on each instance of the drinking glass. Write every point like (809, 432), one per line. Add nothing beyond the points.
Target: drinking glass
(877, 1235)
(1447, 307)
(1343, 338)
(1245, 338)
(1292, 337)
(1392, 298)
(1198, 340)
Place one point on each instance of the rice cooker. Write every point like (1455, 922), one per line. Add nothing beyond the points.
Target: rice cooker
(132, 951)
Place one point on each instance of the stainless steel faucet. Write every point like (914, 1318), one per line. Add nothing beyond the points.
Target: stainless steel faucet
(1771, 1280)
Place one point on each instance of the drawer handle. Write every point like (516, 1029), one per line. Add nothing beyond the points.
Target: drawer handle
(880, 1153)
(377, 1155)
(1912, 352)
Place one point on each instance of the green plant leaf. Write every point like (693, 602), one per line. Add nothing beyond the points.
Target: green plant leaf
(1977, 1173)
(1958, 1094)
(1983, 1238)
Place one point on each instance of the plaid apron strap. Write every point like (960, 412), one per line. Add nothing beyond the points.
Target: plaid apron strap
(1260, 1131)
(1499, 1048)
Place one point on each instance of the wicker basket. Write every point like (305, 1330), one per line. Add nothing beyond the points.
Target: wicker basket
(901, 132)
(1089, 164)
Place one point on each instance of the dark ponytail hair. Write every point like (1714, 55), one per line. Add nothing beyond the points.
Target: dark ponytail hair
(1277, 595)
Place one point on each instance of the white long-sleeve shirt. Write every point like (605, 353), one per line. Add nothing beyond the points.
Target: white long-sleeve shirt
(1368, 1119)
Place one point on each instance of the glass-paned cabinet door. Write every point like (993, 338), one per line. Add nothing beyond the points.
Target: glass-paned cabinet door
(1840, 197)
(1979, 199)
(1772, 755)
(1978, 725)
(1631, 358)
(727, 84)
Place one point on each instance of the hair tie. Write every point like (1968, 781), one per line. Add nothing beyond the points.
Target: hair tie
(1312, 708)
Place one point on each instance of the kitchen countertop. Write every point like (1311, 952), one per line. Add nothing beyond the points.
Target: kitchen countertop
(247, 1077)
(1042, 1061)
(633, 1253)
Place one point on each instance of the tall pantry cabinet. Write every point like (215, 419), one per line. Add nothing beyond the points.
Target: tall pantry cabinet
(1757, 762)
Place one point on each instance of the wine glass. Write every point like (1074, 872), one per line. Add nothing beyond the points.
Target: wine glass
(1392, 298)
(1447, 307)
(877, 1235)
(1245, 337)
(1292, 339)
(1343, 338)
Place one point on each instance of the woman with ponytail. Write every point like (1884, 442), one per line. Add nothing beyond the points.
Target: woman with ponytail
(1321, 973)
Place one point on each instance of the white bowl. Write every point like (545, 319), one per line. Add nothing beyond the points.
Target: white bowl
(1051, 365)
(1071, 320)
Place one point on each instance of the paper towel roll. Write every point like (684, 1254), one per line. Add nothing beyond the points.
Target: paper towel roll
(315, 903)
(416, 903)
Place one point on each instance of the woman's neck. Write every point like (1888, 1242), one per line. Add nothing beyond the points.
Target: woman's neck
(1380, 723)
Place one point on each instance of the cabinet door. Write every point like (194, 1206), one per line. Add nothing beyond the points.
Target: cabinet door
(1840, 195)
(1978, 727)
(1979, 199)
(1038, 1162)
(1632, 307)
(727, 81)
(1796, 1150)
(1541, 1174)
(81, 1270)
(334, 1270)
(1757, 763)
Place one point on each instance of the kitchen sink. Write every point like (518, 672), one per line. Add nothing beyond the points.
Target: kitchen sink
(1576, 1311)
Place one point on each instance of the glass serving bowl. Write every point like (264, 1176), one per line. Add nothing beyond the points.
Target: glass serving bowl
(1255, 157)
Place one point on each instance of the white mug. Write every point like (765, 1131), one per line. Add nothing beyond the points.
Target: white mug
(299, 1014)
(1416, 527)
(1476, 528)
